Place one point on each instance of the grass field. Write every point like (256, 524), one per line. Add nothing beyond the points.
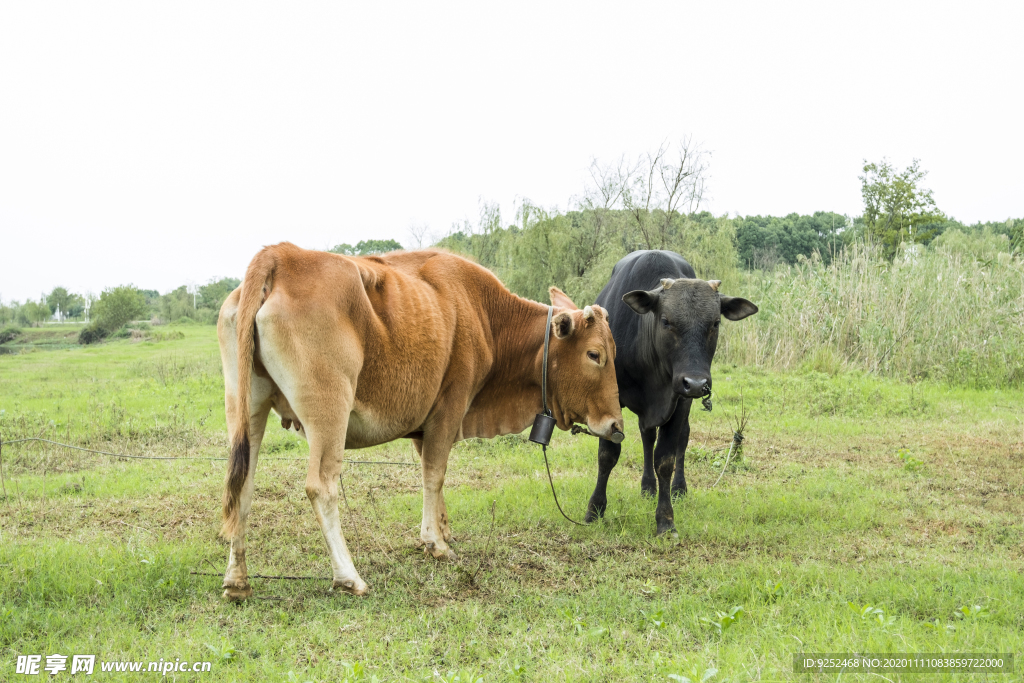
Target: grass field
(906, 499)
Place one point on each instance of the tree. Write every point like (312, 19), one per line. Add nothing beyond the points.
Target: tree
(177, 304)
(419, 234)
(366, 247)
(896, 208)
(75, 306)
(59, 300)
(212, 294)
(8, 311)
(483, 242)
(117, 306)
(32, 313)
(765, 241)
(662, 187)
(377, 247)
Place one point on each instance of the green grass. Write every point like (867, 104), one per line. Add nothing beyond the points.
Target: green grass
(849, 489)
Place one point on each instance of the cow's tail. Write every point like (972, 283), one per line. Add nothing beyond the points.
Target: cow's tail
(257, 284)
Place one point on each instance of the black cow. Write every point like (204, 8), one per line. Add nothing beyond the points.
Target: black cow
(665, 324)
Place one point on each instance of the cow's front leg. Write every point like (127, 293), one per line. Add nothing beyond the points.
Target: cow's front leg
(664, 514)
(648, 482)
(664, 464)
(682, 441)
(607, 457)
(434, 529)
(446, 531)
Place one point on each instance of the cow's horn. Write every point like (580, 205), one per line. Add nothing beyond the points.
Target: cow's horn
(715, 284)
(588, 313)
(667, 282)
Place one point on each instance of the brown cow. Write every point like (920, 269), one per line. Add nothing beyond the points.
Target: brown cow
(356, 352)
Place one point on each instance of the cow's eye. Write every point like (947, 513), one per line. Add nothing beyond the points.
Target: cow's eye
(664, 321)
(594, 356)
(716, 324)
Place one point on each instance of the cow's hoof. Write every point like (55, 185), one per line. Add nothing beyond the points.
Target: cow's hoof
(648, 489)
(439, 553)
(237, 592)
(667, 528)
(595, 511)
(678, 491)
(351, 586)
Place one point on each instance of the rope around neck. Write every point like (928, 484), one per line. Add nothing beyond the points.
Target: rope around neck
(544, 402)
(544, 366)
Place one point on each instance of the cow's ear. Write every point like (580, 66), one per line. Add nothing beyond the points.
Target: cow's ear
(563, 324)
(735, 308)
(561, 299)
(640, 301)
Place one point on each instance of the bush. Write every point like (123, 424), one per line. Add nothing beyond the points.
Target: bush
(91, 334)
(9, 333)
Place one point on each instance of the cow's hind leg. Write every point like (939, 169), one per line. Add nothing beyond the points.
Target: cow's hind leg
(326, 433)
(236, 577)
(607, 458)
(648, 482)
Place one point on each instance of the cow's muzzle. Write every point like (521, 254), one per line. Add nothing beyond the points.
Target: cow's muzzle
(692, 386)
(610, 429)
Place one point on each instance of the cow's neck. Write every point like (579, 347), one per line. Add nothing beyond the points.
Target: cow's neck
(654, 369)
(511, 397)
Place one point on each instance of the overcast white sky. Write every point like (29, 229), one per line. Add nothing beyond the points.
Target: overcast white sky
(161, 142)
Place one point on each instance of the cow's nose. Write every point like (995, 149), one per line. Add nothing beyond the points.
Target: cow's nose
(693, 387)
(610, 430)
(617, 431)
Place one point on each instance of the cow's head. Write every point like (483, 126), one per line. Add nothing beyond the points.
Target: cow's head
(683, 321)
(582, 369)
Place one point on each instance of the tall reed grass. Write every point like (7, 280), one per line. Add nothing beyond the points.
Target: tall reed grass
(952, 312)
